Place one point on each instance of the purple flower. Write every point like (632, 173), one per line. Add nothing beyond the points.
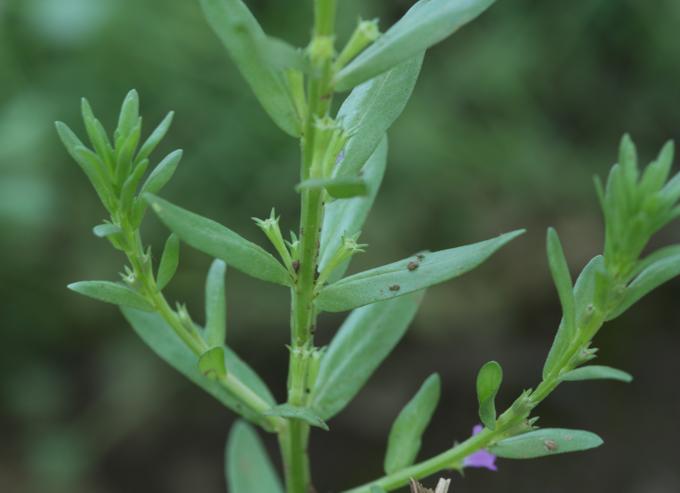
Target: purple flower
(482, 458)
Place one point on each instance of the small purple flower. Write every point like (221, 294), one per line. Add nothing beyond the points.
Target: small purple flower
(482, 458)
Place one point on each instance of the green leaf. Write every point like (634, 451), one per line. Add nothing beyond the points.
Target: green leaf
(345, 218)
(243, 38)
(129, 115)
(363, 341)
(219, 242)
(169, 261)
(155, 138)
(408, 275)
(106, 229)
(406, 433)
(628, 161)
(126, 152)
(425, 24)
(162, 173)
(339, 188)
(96, 132)
(549, 441)
(656, 174)
(155, 182)
(156, 333)
(301, 413)
(111, 292)
(371, 109)
(376, 489)
(89, 162)
(489, 380)
(215, 305)
(596, 372)
(652, 258)
(562, 279)
(584, 296)
(650, 278)
(212, 365)
(248, 468)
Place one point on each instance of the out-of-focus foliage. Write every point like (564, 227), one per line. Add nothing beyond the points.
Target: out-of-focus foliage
(508, 123)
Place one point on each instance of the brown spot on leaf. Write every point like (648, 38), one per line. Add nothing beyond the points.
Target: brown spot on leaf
(395, 287)
(413, 265)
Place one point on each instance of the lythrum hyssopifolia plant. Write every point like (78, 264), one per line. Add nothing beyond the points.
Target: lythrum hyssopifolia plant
(343, 157)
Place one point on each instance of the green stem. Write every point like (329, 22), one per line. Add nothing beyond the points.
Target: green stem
(294, 439)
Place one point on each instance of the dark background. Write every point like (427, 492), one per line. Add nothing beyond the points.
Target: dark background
(510, 120)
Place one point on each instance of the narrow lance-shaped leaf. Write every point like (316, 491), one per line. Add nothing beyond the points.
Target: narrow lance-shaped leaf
(657, 273)
(406, 433)
(248, 468)
(363, 341)
(243, 38)
(548, 441)
(345, 218)
(128, 117)
(219, 242)
(371, 109)
(215, 305)
(489, 380)
(157, 179)
(88, 162)
(160, 337)
(584, 295)
(155, 138)
(169, 261)
(596, 372)
(425, 24)
(96, 132)
(111, 292)
(562, 279)
(408, 275)
(301, 413)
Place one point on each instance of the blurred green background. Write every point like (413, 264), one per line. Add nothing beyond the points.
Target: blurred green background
(510, 120)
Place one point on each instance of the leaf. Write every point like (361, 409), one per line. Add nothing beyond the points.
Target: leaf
(106, 229)
(363, 341)
(584, 295)
(157, 179)
(408, 275)
(596, 372)
(301, 413)
(562, 279)
(489, 380)
(370, 110)
(162, 173)
(248, 468)
(376, 489)
(243, 37)
(339, 188)
(345, 218)
(169, 261)
(88, 162)
(549, 441)
(219, 242)
(215, 305)
(156, 333)
(111, 292)
(155, 138)
(212, 365)
(129, 114)
(406, 433)
(96, 132)
(650, 278)
(425, 24)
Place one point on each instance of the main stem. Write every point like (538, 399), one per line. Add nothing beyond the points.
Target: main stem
(294, 439)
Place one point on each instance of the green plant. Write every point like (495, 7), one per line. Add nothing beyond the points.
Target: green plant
(342, 163)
